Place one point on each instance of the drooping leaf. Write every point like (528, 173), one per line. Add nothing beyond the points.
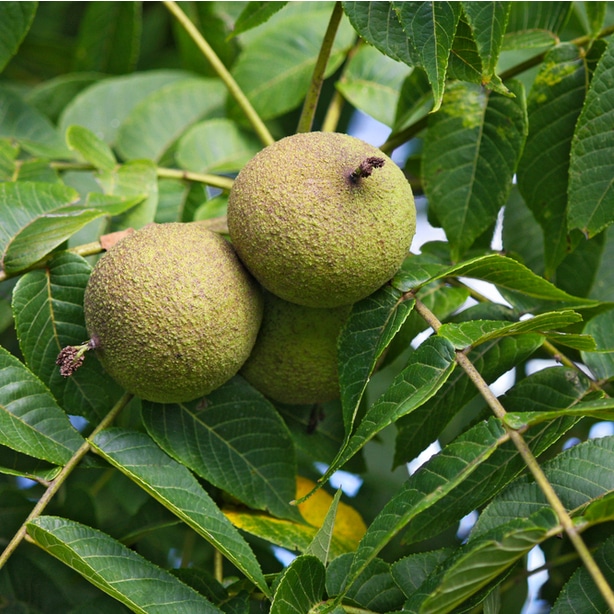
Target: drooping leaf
(418, 430)
(49, 230)
(21, 203)
(48, 307)
(488, 21)
(158, 120)
(136, 179)
(470, 154)
(90, 147)
(431, 27)
(234, 439)
(216, 146)
(15, 21)
(273, 71)
(109, 37)
(301, 586)
(31, 421)
(169, 482)
(116, 569)
(254, 14)
(372, 83)
(427, 370)
(601, 361)
(554, 104)
(379, 25)
(370, 327)
(104, 106)
(591, 194)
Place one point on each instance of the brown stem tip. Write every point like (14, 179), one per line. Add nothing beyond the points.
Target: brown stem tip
(365, 168)
(71, 357)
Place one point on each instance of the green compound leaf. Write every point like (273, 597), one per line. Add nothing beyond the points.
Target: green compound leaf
(591, 190)
(48, 308)
(236, 440)
(301, 586)
(31, 422)
(370, 327)
(470, 154)
(116, 569)
(170, 483)
(431, 27)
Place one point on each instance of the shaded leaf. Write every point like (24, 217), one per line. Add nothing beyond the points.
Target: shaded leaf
(300, 587)
(553, 104)
(418, 430)
(90, 147)
(431, 27)
(109, 37)
(580, 595)
(15, 21)
(216, 146)
(50, 230)
(370, 327)
(320, 546)
(470, 154)
(535, 24)
(30, 128)
(591, 193)
(235, 440)
(375, 589)
(48, 307)
(427, 370)
(411, 571)
(254, 14)
(116, 569)
(136, 455)
(158, 120)
(601, 361)
(31, 421)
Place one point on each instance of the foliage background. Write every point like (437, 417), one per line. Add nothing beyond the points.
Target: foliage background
(113, 115)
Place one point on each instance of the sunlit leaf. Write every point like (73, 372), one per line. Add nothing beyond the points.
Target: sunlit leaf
(90, 147)
(31, 421)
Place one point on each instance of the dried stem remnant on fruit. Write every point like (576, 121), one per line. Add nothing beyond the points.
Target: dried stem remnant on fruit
(71, 357)
(365, 168)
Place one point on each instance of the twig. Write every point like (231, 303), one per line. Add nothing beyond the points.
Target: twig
(530, 461)
(222, 72)
(216, 181)
(310, 104)
(61, 478)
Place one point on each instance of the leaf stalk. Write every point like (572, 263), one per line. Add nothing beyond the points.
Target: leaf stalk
(531, 463)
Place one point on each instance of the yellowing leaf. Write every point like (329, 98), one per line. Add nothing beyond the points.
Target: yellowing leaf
(349, 525)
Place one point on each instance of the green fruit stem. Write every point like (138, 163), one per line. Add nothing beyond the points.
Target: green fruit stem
(222, 72)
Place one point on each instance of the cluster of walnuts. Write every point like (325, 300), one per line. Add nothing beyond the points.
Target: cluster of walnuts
(317, 221)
